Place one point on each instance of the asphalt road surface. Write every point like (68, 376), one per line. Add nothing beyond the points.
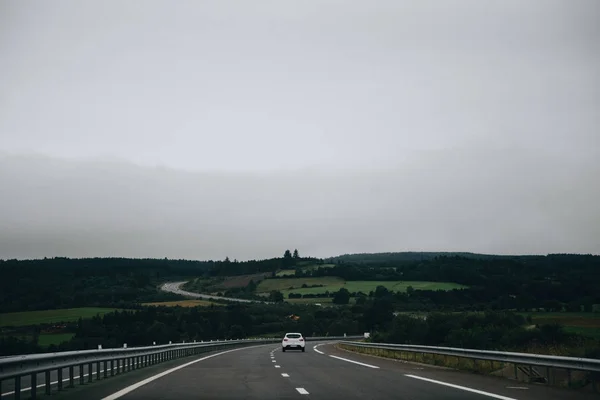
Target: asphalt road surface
(322, 372)
(174, 287)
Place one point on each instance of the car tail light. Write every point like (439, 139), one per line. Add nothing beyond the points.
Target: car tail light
(302, 340)
(285, 340)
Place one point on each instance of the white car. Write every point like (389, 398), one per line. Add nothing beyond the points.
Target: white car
(293, 341)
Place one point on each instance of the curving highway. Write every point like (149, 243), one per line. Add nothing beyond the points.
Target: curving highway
(175, 287)
(322, 372)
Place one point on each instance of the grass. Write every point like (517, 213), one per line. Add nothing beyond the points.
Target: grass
(315, 266)
(584, 331)
(583, 323)
(283, 284)
(333, 284)
(286, 272)
(183, 303)
(323, 300)
(46, 339)
(26, 318)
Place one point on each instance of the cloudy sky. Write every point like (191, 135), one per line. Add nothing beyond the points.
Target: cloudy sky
(205, 129)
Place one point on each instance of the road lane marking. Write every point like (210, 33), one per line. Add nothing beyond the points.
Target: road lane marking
(25, 389)
(355, 362)
(277, 366)
(131, 388)
(285, 375)
(467, 389)
(302, 390)
(517, 387)
(273, 361)
(318, 351)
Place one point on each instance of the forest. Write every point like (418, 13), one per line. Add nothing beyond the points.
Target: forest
(482, 315)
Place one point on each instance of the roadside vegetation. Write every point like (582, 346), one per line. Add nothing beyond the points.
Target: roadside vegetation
(545, 304)
(26, 318)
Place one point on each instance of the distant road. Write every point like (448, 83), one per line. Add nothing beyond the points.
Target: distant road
(174, 287)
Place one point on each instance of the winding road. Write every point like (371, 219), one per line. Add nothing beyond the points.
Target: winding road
(175, 287)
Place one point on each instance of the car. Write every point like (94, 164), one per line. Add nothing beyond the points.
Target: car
(293, 340)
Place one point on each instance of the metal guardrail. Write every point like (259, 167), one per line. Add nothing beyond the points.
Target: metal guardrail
(113, 361)
(569, 363)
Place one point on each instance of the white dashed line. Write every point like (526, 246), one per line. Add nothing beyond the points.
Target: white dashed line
(277, 366)
(517, 387)
(273, 361)
(302, 390)
(355, 362)
(467, 389)
(285, 375)
(52, 383)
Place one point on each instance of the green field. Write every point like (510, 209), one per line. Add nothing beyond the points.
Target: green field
(316, 266)
(183, 303)
(583, 323)
(323, 300)
(50, 316)
(283, 284)
(333, 284)
(47, 339)
(286, 272)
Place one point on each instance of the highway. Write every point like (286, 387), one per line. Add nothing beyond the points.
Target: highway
(322, 372)
(174, 287)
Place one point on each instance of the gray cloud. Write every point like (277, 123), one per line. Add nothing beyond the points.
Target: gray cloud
(495, 202)
(242, 128)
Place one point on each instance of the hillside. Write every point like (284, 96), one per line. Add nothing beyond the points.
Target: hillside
(410, 256)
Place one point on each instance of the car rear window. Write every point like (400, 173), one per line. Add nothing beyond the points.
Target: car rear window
(293, 336)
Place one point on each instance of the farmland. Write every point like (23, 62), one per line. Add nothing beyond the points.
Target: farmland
(46, 340)
(26, 318)
(583, 323)
(183, 303)
(295, 283)
(286, 272)
(220, 284)
(333, 284)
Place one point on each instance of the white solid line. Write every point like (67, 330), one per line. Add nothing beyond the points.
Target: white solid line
(318, 351)
(131, 388)
(51, 383)
(355, 362)
(302, 390)
(467, 389)
(277, 366)
(285, 375)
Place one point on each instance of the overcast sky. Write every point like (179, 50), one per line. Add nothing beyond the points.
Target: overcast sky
(205, 129)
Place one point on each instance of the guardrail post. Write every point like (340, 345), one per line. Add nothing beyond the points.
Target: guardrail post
(516, 372)
(105, 369)
(98, 370)
(71, 384)
(47, 381)
(33, 385)
(17, 387)
(81, 374)
(60, 380)
(112, 367)
(90, 372)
